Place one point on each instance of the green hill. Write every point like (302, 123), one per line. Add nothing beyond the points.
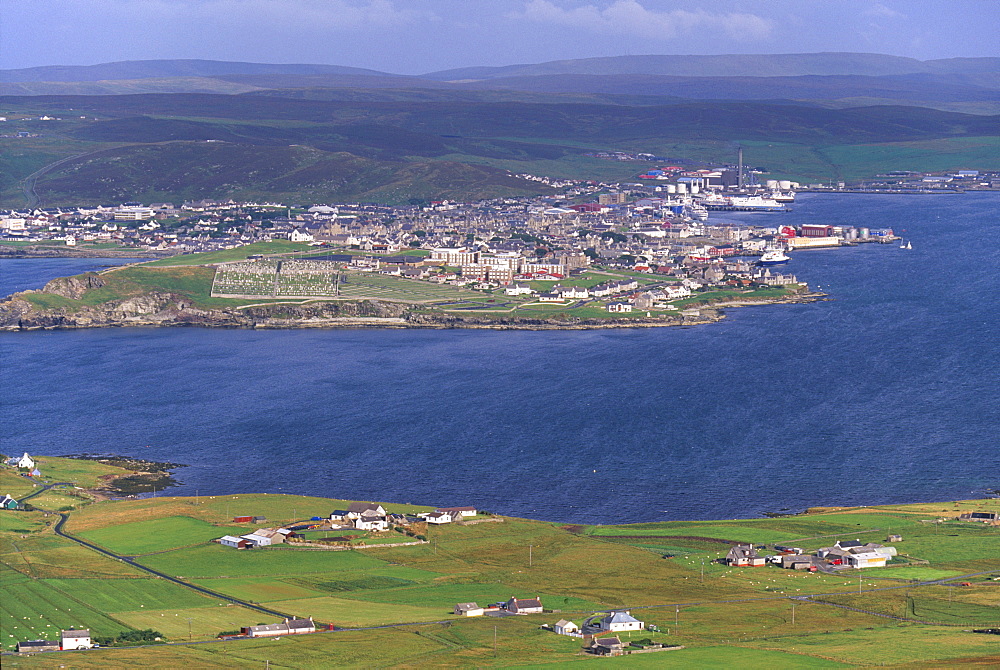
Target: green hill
(169, 146)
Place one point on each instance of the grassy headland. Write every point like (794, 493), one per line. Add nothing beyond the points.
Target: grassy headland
(720, 614)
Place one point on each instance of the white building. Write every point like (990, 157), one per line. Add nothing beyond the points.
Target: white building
(564, 627)
(620, 621)
(25, 461)
(75, 639)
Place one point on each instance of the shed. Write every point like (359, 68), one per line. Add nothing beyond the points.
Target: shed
(37, 645)
(469, 609)
(564, 627)
(233, 541)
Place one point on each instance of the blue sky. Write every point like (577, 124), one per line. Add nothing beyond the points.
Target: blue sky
(416, 36)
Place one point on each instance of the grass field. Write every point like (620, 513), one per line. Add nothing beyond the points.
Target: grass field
(218, 561)
(387, 287)
(227, 255)
(144, 537)
(723, 616)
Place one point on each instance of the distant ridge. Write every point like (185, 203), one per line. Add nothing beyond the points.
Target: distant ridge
(731, 65)
(147, 69)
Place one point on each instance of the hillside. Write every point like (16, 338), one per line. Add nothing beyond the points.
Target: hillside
(392, 150)
(830, 79)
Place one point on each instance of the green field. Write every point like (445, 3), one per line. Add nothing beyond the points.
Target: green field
(228, 255)
(218, 561)
(388, 287)
(144, 537)
(760, 617)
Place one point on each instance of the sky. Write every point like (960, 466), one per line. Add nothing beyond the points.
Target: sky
(420, 36)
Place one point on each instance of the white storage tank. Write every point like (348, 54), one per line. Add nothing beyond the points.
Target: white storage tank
(772, 184)
(695, 188)
(785, 185)
(671, 188)
(682, 188)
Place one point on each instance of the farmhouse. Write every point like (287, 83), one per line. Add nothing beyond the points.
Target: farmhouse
(458, 511)
(469, 609)
(981, 517)
(743, 555)
(437, 517)
(23, 462)
(524, 606)
(78, 638)
(8, 502)
(620, 621)
(356, 509)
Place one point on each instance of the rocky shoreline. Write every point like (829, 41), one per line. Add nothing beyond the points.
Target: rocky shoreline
(165, 309)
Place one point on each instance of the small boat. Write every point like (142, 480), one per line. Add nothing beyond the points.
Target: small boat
(909, 246)
(905, 245)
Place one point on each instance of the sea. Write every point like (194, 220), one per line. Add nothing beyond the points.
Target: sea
(886, 392)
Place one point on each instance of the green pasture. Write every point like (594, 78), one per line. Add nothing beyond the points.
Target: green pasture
(388, 287)
(217, 561)
(443, 597)
(123, 595)
(33, 609)
(228, 255)
(206, 622)
(144, 537)
(912, 645)
(344, 612)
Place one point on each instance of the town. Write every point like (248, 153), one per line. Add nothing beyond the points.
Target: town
(650, 249)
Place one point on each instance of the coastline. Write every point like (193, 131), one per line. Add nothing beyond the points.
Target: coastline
(17, 314)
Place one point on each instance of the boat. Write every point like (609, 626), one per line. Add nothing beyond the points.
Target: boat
(774, 257)
(783, 196)
(744, 203)
(905, 245)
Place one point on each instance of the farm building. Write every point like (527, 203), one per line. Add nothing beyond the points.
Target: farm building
(469, 609)
(437, 517)
(287, 627)
(8, 502)
(743, 555)
(78, 638)
(608, 646)
(234, 542)
(25, 461)
(458, 511)
(564, 627)
(524, 605)
(37, 645)
(620, 621)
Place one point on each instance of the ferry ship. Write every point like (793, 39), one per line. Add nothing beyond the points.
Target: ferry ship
(774, 257)
(742, 203)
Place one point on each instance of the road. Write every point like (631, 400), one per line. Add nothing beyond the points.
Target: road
(63, 517)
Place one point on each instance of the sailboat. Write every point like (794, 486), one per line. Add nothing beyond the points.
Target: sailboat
(909, 246)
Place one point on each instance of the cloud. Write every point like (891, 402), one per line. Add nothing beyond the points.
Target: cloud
(878, 10)
(316, 14)
(630, 17)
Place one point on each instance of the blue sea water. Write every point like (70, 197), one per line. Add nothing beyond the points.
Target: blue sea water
(887, 392)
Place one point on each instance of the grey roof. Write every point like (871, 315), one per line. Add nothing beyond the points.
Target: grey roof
(620, 616)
